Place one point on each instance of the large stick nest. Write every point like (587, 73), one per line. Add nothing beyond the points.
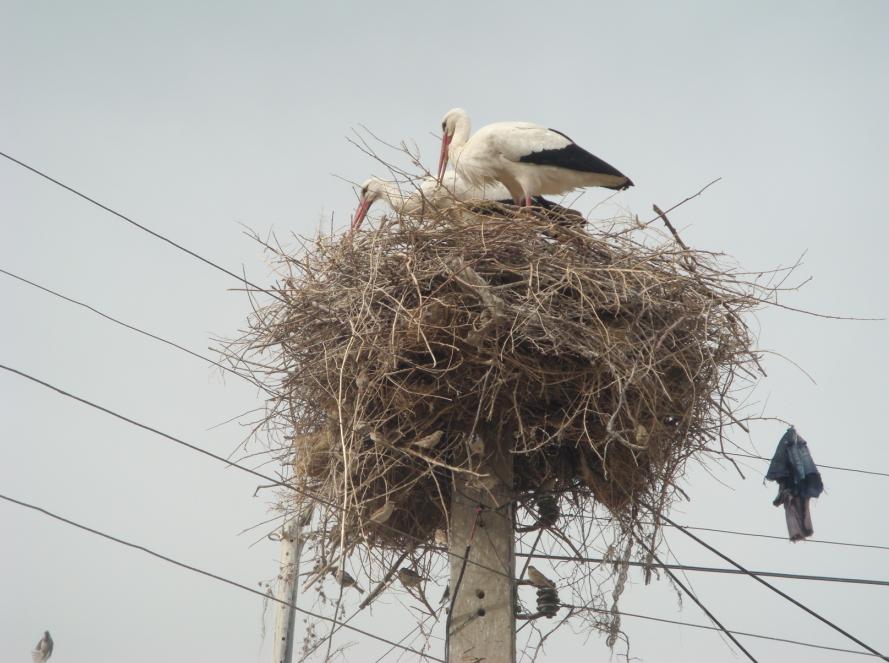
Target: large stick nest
(603, 359)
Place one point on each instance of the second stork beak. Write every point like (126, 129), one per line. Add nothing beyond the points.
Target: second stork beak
(360, 213)
(443, 156)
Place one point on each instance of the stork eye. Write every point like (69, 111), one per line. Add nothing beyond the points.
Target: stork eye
(444, 126)
(363, 191)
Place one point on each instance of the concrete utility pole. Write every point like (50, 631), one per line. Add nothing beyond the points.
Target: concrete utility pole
(482, 619)
(292, 542)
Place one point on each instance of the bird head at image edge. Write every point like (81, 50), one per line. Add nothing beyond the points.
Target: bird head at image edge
(43, 650)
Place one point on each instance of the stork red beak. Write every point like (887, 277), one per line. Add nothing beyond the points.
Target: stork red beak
(443, 155)
(360, 213)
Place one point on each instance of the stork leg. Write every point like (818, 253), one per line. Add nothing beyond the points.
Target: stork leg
(525, 205)
(521, 203)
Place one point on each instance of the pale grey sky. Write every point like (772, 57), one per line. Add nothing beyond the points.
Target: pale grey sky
(195, 117)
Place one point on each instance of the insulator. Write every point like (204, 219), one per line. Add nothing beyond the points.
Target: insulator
(547, 510)
(547, 602)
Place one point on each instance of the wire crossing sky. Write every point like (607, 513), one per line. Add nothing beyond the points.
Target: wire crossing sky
(199, 121)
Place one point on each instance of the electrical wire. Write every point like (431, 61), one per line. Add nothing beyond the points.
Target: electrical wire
(712, 569)
(769, 585)
(257, 288)
(138, 225)
(135, 329)
(194, 569)
(714, 628)
(417, 627)
(783, 539)
(828, 467)
(172, 438)
(242, 279)
(257, 384)
(697, 601)
(290, 486)
(273, 481)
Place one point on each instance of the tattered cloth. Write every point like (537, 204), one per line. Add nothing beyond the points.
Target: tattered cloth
(798, 481)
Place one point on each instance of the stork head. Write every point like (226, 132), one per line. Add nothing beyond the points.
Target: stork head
(454, 123)
(371, 191)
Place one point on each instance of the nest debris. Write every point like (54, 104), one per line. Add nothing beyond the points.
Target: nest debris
(605, 357)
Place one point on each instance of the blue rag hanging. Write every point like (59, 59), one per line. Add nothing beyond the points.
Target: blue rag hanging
(798, 481)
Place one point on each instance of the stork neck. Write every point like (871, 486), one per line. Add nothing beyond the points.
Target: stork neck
(461, 136)
(393, 195)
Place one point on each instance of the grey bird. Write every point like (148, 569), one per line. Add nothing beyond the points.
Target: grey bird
(409, 577)
(344, 579)
(538, 579)
(43, 650)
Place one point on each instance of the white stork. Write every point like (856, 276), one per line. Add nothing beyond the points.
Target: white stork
(429, 192)
(528, 159)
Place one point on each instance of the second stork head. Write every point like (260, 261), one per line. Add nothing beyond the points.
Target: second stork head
(371, 191)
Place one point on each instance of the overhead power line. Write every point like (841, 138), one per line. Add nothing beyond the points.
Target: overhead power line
(294, 488)
(243, 280)
(758, 579)
(785, 539)
(172, 438)
(714, 628)
(138, 225)
(284, 484)
(194, 569)
(134, 328)
(697, 601)
(828, 467)
(710, 569)
(258, 288)
(259, 385)
(210, 454)
(759, 535)
(188, 445)
(386, 641)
